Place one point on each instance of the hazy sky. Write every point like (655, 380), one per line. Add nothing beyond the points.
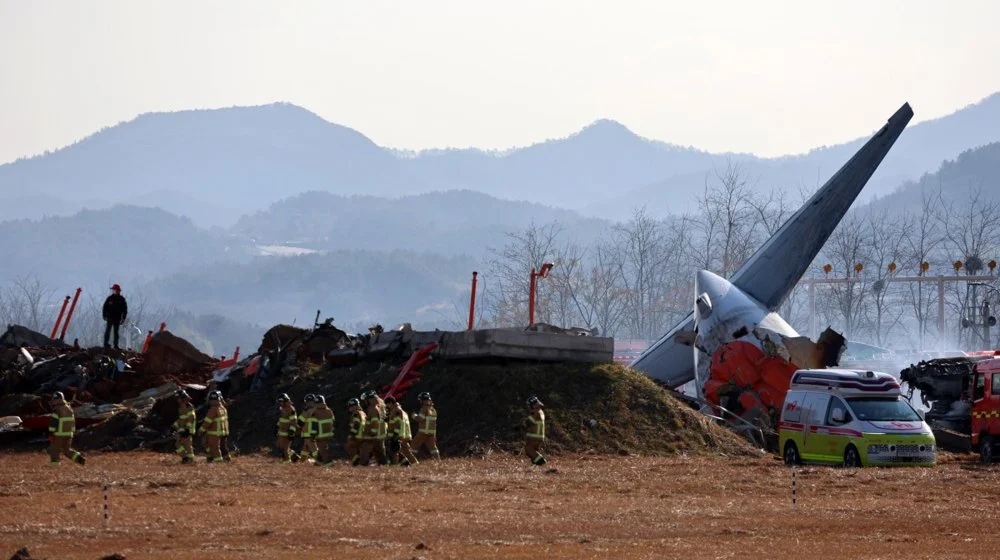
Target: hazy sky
(764, 77)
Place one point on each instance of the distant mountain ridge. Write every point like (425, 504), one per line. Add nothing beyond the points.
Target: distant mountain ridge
(449, 223)
(216, 165)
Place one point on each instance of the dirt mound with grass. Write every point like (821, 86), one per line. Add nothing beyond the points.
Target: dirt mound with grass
(603, 408)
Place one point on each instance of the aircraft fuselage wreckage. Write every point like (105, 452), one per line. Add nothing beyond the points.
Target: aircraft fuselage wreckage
(733, 345)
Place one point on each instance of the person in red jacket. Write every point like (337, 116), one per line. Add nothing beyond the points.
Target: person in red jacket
(115, 313)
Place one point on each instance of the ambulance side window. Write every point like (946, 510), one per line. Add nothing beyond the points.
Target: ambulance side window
(816, 405)
(995, 384)
(837, 404)
(793, 409)
(979, 391)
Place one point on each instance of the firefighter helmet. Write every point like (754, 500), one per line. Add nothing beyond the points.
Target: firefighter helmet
(370, 394)
(182, 394)
(390, 400)
(215, 396)
(58, 396)
(353, 402)
(283, 398)
(320, 399)
(309, 398)
(425, 396)
(533, 400)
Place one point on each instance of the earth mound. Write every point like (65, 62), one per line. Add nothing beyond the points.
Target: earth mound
(598, 408)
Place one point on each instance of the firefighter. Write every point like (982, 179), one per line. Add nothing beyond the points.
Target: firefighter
(374, 402)
(308, 428)
(355, 431)
(214, 426)
(399, 435)
(323, 418)
(373, 436)
(224, 438)
(288, 423)
(61, 428)
(186, 425)
(534, 426)
(426, 420)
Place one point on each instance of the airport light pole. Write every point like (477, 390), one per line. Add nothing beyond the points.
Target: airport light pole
(533, 288)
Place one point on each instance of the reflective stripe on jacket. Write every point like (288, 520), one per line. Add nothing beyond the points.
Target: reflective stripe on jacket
(287, 423)
(61, 425)
(214, 423)
(399, 426)
(224, 420)
(537, 429)
(186, 420)
(428, 422)
(324, 423)
(309, 425)
(357, 426)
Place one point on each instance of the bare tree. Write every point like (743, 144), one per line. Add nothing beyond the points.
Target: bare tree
(921, 237)
(509, 269)
(848, 246)
(887, 247)
(29, 303)
(643, 248)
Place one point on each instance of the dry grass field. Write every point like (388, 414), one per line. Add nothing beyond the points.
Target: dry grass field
(578, 506)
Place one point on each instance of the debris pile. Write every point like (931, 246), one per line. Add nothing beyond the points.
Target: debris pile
(115, 394)
(124, 400)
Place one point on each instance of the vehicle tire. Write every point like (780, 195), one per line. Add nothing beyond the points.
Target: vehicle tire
(986, 449)
(852, 459)
(791, 454)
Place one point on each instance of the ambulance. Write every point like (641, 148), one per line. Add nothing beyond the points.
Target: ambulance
(853, 418)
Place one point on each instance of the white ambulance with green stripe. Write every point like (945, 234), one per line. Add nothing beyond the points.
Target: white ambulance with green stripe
(854, 418)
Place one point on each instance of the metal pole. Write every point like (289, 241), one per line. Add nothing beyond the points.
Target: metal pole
(531, 299)
(812, 310)
(72, 308)
(940, 310)
(472, 302)
(55, 329)
(986, 323)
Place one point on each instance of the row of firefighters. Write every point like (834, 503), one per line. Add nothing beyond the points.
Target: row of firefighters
(377, 428)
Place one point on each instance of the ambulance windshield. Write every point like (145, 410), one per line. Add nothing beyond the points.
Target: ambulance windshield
(880, 410)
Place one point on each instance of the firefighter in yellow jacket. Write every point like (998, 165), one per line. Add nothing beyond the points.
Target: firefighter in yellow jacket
(288, 423)
(374, 403)
(307, 425)
(373, 442)
(186, 426)
(534, 426)
(426, 420)
(61, 428)
(399, 435)
(355, 431)
(224, 438)
(323, 418)
(214, 426)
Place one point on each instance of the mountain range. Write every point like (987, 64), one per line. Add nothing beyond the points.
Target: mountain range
(215, 166)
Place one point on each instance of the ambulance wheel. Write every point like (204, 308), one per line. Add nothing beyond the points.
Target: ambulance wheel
(986, 449)
(852, 459)
(791, 454)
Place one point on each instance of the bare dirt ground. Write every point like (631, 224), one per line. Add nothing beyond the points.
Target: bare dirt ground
(576, 507)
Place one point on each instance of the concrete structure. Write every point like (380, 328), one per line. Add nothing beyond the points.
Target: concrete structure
(517, 344)
(526, 345)
(771, 273)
